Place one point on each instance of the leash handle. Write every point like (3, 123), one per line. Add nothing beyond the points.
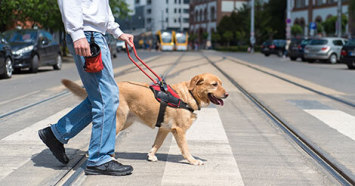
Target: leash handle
(135, 53)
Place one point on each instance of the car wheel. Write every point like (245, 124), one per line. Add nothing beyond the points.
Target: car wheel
(59, 63)
(351, 65)
(311, 60)
(333, 59)
(280, 53)
(8, 69)
(34, 64)
(266, 54)
(303, 59)
(293, 58)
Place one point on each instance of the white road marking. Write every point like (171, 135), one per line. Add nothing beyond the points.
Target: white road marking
(336, 119)
(207, 141)
(23, 145)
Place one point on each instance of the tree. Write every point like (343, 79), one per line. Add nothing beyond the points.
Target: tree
(228, 36)
(296, 30)
(330, 23)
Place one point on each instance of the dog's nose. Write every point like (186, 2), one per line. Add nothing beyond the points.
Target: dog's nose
(226, 95)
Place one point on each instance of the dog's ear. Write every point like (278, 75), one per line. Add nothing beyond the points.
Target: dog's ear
(197, 80)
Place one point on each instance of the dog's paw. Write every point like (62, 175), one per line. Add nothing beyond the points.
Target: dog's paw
(196, 162)
(151, 157)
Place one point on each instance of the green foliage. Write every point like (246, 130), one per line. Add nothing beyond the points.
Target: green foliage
(215, 37)
(296, 30)
(330, 23)
(119, 8)
(228, 36)
(44, 13)
(269, 23)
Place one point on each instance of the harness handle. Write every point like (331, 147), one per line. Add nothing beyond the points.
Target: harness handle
(140, 68)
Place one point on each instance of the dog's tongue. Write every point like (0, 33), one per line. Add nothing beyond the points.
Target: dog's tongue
(220, 102)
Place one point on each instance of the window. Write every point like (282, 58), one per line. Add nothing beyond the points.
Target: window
(167, 10)
(174, 10)
(186, 11)
(213, 13)
(149, 2)
(338, 43)
(137, 1)
(167, 1)
(186, 20)
(300, 3)
(186, 1)
(319, 2)
(149, 11)
(149, 20)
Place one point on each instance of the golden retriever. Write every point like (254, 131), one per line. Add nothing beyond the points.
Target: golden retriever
(137, 103)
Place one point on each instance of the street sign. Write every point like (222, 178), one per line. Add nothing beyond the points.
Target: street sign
(312, 25)
(288, 21)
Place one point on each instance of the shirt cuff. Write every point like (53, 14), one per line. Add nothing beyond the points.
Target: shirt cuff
(117, 33)
(76, 35)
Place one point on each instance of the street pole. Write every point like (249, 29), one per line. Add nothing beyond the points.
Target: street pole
(252, 33)
(288, 20)
(339, 19)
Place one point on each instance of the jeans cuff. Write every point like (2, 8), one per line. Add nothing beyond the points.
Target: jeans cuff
(57, 135)
(106, 159)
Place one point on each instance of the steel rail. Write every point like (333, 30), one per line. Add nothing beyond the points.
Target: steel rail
(333, 169)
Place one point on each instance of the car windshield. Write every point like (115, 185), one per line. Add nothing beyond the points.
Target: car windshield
(25, 36)
(318, 42)
(267, 43)
(305, 42)
(279, 42)
(351, 42)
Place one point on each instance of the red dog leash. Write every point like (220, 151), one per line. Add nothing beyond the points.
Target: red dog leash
(135, 53)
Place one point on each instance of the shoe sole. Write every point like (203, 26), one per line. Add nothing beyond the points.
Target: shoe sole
(43, 138)
(94, 172)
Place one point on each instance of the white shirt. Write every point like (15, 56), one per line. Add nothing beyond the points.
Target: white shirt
(88, 15)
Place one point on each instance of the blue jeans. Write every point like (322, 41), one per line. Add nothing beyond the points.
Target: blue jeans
(99, 107)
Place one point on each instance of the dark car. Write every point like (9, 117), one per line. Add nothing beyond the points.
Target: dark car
(6, 60)
(348, 54)
(296, 48)
(32, 48)
(277, 47)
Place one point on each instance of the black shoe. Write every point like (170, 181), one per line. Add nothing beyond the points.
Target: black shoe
(55, 146)
(110, 168)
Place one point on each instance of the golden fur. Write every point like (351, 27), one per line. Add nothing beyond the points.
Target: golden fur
(137, 102)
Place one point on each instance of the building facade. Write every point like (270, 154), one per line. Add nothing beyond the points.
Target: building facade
(206, 14)
(167, 15)
(305, 12)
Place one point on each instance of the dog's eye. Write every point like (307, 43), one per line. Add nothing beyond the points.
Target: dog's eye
(214, 84)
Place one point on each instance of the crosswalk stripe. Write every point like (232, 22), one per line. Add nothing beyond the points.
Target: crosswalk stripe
(336, 119)
(23, 144)
(207, 141)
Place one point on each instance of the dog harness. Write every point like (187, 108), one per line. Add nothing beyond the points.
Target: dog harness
(163, 93)
(167, 96)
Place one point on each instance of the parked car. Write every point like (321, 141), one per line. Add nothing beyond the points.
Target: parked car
(296, 48)
(121, 46)
(277, 46)
(32, 48)
(348, 54)
(6, 60)
(326, 49)
(111, 42)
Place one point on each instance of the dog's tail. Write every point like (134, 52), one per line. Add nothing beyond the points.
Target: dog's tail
(75, 88)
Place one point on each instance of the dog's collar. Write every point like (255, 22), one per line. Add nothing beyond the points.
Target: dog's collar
(198, 105)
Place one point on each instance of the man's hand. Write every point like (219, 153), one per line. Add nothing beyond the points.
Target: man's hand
(127, 38)
(82, 47)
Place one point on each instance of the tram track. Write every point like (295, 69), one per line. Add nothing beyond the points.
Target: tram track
(322, 160)
(54, 96)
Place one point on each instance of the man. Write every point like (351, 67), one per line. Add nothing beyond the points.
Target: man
(83, 19)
